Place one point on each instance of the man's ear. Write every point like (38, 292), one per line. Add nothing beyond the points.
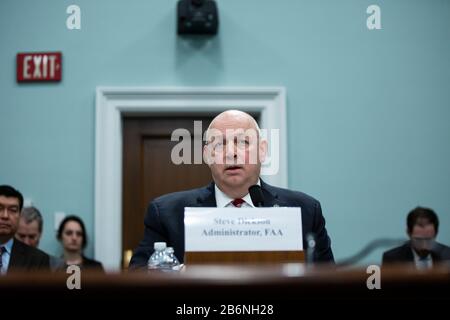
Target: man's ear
(262, 150)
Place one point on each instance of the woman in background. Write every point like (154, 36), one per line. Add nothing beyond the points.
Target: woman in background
(72, 235)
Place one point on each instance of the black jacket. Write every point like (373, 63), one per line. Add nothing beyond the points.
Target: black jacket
(87, 264)
(92, 265)
(164, 221)
(26, 258)
(404, 254)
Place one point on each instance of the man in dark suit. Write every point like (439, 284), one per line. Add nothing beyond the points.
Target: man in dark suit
(234, 156)
(14, 254)
(422, 250)
(30, 232)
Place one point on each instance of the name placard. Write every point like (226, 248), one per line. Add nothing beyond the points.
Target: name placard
(243, 229)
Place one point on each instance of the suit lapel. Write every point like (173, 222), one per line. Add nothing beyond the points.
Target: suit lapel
(440, 252)
(407, 252)
(207, 197)
(17, 255)
(270, 195)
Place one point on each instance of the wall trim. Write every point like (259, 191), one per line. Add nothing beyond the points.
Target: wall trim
(112, 103)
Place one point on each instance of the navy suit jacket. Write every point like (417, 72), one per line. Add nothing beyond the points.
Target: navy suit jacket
(164, 221)
(26, 258)
(404, 254)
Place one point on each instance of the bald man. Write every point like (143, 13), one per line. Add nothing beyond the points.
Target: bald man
(234, 151)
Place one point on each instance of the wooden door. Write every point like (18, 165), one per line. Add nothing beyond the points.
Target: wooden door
(148, 171)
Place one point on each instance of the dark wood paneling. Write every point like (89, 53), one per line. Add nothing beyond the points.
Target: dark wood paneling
(148, 171)
(253, 257)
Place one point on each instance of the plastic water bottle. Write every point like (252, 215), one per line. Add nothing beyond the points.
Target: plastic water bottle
(170, 261)
(156, 260)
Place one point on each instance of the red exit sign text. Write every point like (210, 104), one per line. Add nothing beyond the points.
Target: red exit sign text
(39, 66)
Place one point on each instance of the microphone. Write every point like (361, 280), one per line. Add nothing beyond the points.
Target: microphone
(256, 195)
(311, 247)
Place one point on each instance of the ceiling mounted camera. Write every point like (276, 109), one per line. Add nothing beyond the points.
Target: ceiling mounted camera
(199, 17)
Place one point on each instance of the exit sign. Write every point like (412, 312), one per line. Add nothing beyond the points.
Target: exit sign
(39, 66)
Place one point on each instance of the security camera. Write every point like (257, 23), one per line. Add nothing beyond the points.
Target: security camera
(197, 17)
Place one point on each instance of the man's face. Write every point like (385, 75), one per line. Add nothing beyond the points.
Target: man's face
(9, 217)
(29, 233)
(235, 152)
(422, 238)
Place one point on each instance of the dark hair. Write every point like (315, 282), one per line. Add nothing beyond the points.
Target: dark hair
(10, 192)
(79, 221)
(422, 213)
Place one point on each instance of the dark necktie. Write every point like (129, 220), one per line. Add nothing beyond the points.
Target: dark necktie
(2, 250)
(237, 202)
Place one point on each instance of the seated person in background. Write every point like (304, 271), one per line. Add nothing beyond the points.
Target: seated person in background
(72, 235)
(422, 249)
(30, 226)
(30, 232)
(14, 254)
(228, 152)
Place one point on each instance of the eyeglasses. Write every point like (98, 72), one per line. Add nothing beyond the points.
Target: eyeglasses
(10, 210)
(422, 242)
(220, 146)
(422, 239)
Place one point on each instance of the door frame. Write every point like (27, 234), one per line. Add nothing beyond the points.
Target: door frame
(113, 103)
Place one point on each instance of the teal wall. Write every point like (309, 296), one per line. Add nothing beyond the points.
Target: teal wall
(368, 111)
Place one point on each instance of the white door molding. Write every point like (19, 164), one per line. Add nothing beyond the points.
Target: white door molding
(112, 103)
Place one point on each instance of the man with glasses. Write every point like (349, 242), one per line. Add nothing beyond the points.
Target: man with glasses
(422, 249)
(14, 254)
(234, 151)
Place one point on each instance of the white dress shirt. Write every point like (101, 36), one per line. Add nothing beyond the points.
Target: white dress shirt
(224, 201)
(6, 256)
(422, 263)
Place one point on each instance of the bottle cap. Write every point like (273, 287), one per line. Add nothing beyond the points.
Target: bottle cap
(159, 246)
